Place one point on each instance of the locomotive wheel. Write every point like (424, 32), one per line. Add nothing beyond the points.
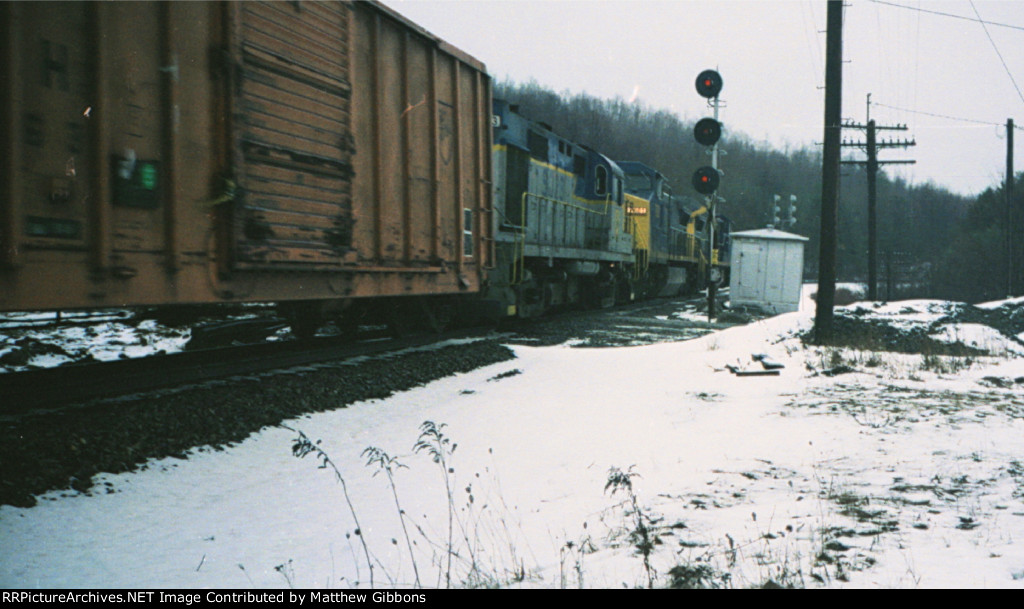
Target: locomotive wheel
(625, 291)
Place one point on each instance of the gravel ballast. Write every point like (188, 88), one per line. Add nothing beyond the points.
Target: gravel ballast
(64, 450)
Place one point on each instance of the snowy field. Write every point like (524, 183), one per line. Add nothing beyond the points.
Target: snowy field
(564, 467)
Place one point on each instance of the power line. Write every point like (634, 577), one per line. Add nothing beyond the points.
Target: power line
(813, 44)
(917, 58)
(965, 18)
(984, 27)
(946, 116)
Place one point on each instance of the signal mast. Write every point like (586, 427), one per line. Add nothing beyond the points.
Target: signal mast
(707, 132)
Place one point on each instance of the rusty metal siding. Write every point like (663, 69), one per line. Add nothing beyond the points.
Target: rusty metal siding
(94, 91)
(418, 162)
(275, 151)
(47, 89)
(292, 134)
(9, 147)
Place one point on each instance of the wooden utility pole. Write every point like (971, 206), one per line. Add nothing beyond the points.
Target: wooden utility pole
(825, 300)
(871, 147)
(872, 213)
(1013, 266)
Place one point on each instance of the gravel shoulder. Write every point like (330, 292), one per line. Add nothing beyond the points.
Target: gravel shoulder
(64, 450)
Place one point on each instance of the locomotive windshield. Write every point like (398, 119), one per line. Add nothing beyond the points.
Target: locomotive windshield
(638, 184)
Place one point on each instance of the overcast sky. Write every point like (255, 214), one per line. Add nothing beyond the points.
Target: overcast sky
(940, 75)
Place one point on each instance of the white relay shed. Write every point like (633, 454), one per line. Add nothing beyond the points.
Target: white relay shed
(766, 269)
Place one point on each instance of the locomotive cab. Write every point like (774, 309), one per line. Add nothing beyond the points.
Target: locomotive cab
(662, 264)
(558, 218)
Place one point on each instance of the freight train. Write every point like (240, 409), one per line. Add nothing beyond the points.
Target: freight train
(573, 227)
(331, 157)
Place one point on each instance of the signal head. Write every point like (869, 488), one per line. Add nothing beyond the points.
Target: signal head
(707, 131)
(705, 180)
(709, 83)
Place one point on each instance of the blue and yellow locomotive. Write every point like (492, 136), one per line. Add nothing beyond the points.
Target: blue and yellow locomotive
(575, 228)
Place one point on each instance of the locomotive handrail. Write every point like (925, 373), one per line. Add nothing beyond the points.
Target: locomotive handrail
(519, 253)
(518, 256)
(642, 248)
(690, 240)
(604, 204)
(522, 207)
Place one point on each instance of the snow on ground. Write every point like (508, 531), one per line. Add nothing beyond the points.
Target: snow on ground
(906, 472)
(45, 340)
(978, 336)
(36, 341)
(1018, 301)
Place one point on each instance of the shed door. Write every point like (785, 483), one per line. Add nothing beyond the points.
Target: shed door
(782, 285)
(752, 256)
(776, 271)
(792, 282)
(292, 136)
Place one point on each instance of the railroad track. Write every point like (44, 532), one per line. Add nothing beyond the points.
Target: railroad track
(18, 321)
(72, 384)
(63, 386)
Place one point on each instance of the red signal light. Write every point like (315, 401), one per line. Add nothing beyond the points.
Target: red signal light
(709, 83)
(705, 180)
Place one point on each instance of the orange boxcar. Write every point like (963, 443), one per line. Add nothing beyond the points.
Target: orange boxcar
(194, 152)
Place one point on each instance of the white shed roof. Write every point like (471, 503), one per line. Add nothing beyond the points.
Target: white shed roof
(767, 233)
